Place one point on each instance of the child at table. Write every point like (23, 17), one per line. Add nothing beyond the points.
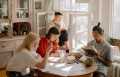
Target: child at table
(50, 40)
(103, 58)
(26, 58)
(63, 40)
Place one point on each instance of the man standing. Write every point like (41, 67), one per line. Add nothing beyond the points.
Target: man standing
(56, 21)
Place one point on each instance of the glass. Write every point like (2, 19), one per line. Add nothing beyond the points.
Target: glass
(3, 9)
(22, 10)
(70, 5)
(80, 31)
(41, 23)
(62, 55)
(115, 19)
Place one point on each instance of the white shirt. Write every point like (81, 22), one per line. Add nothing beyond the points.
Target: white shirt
(53, 24)
(23, 61)
(59, 25)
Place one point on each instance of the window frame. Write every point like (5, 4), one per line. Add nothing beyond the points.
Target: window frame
(77, 13)
(6, 10)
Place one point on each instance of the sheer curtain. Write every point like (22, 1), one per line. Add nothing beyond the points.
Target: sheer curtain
(70, 5)
(76, 19)
(81, 15)
(49, 5)
(115, 28)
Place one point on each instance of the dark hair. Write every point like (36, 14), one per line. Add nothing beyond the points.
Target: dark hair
(98, 29)
(58, 13)
(63, 37)
(52, 30)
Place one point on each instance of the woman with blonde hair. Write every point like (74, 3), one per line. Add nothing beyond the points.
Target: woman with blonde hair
(26, 58)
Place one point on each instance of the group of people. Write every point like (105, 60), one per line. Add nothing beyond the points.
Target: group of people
(34, 52)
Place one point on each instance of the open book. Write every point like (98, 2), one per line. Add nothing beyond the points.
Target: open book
(90, 50)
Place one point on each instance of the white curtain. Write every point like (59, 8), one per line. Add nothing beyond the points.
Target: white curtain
(101, 11)
(75, 10)
(115, 27)
(49, 5)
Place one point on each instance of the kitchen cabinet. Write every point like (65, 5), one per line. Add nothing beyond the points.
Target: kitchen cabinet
(7, 49)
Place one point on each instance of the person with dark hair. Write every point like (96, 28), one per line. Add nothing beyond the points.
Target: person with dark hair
(102, 57)
(49, 41)
(98, 29)
(58, 13)
(63, 39)
(56, 21)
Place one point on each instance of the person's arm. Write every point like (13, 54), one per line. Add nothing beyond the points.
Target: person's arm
(106, 58)
(37, 61)
(67, 45)
(42, 47)
(44, 61)
(105, 62)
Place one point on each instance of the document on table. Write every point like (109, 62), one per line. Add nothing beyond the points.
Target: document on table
(63, 69)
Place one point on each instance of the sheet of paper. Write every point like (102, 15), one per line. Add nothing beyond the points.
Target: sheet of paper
(63, 69)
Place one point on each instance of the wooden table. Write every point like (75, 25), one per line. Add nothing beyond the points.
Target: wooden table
(54, 69)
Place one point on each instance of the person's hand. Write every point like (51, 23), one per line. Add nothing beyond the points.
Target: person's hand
(98, 53)
(49, 49)
(77, 56)
(98, 56)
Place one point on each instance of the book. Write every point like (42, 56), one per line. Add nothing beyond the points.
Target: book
(90, 50)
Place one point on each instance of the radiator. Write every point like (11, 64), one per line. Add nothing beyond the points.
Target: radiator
(115, 70)
(115, 53)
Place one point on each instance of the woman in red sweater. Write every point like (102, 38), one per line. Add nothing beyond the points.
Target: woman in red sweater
(49, 41)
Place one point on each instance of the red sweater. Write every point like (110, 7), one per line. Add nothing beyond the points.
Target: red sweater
(43, 45)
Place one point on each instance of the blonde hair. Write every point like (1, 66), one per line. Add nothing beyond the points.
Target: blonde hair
(27, 42)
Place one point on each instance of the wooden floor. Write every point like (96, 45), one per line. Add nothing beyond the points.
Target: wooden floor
(2, 73)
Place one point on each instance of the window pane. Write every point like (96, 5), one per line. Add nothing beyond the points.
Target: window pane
(82, 1)
(81, 23)
(80, 40)
(4, 9)
(83, 6)
(70, 5)
(22, 9)
(79, 31)
(23, 4)
(116, 19)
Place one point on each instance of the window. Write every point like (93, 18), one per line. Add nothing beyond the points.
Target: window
(41, 23)
(70, 5)
(22, 8)
(77, 13)
(116, 19)
(3, 9)
(79, 26)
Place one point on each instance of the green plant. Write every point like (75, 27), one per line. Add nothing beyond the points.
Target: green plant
(111, 40)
